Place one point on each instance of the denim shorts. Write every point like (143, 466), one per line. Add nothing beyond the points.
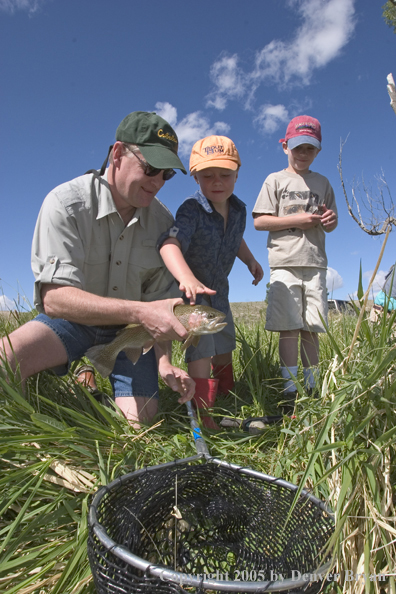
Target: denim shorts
(126, 378)
(214, 344)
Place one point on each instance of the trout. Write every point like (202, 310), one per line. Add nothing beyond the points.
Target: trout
(134, 339)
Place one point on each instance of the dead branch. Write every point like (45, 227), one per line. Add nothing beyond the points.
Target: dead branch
(379, 207)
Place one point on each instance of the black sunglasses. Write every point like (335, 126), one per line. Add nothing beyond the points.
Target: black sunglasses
(151, 171)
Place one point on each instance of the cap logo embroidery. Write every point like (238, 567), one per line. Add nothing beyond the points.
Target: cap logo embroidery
(308, 126)
(166, 135)
(210, 150)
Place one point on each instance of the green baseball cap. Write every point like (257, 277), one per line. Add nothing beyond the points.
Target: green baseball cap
(156, 139)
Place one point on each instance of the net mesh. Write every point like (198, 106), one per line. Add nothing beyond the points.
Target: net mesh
(205, 520)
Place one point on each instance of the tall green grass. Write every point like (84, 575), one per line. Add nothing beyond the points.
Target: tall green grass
(58, 445)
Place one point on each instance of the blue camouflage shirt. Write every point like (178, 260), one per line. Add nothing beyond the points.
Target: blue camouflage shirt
(208, 248)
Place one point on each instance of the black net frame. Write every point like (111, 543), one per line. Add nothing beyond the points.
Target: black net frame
(196, 525)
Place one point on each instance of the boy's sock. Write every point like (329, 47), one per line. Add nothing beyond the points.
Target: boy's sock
(287, 373)
(311, 378)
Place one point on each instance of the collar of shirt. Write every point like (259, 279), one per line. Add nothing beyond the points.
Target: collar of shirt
(106, 204)
(206, 205)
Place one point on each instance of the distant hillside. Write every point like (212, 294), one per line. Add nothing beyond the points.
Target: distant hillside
(248, 312)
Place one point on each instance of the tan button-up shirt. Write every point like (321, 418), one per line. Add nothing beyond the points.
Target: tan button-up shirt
(80, 240)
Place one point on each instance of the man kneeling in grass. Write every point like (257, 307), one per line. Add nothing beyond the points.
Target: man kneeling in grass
(97, 269)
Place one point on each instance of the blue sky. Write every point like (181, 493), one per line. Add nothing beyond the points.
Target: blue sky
(72, 70)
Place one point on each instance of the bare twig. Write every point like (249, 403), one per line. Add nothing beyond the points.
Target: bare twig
(380, 207)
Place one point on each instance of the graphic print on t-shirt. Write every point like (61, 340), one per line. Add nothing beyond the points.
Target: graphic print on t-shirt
(294, 202)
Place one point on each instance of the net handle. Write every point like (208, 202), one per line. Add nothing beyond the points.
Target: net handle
(200, 445)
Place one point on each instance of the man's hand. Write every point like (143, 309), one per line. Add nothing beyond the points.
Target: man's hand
(191, 286)
(158, 319)
(178, 380)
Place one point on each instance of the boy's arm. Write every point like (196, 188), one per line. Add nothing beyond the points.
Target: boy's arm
(174, 261)
(246, 256)
(303, 220)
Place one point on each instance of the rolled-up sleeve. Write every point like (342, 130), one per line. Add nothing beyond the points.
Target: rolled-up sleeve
(57, 249)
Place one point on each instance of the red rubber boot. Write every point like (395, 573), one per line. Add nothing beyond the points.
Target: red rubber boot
(204, 398)
(225, 376)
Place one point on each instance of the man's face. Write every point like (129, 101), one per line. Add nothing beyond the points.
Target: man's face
(217, 184)
(133, 187)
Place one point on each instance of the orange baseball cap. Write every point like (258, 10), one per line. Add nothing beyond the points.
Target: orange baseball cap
(214, 151)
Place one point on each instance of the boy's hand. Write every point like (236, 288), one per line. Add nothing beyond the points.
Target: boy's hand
(305, 220)
(192, 287)
(329, 219)
(256, 270)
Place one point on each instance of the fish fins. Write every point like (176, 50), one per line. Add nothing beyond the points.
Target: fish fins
(190, 340)
(133, 354)
(98, 358)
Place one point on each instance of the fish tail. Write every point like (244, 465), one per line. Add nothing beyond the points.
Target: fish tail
(101, 359)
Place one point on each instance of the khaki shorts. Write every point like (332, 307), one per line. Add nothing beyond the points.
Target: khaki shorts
(296, 298)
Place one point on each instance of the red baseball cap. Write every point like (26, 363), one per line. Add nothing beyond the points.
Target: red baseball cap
(303, 130)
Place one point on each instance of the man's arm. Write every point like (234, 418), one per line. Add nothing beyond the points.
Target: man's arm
(174, 261)
(81, 307)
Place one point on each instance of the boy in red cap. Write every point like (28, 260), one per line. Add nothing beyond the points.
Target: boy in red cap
(200, 250)
(297, 207)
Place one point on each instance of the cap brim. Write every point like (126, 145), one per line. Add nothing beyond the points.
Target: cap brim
(297, 140)
(161, 158)
(224, 163)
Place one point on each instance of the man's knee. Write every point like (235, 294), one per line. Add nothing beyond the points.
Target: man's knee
(33, 347)
(137, 409)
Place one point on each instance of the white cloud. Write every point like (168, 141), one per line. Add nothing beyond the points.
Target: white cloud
(11, 6)
(378, 281)
(327, 26)
(191, 128)
(229, 79)
(6, 303)
(167, 111)
(333, 280)
(270, 117)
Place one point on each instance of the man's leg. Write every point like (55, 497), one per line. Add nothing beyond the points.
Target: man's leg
(135, 387)
(33, 347)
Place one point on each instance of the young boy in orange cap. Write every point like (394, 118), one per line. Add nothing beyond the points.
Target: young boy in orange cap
(297, 207)
(200, 250)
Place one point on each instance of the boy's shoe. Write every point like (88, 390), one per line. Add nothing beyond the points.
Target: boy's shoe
(252, 424)
(312, 392)
(287, 404)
